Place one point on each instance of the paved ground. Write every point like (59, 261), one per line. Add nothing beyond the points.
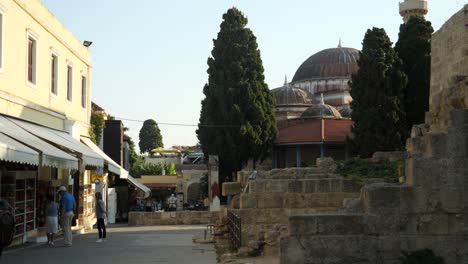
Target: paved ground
(159, 244)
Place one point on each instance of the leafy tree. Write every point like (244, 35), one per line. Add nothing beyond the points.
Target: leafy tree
(97, 125)
(237, 120)
(414, 49)
(150, 136)
(377, 91)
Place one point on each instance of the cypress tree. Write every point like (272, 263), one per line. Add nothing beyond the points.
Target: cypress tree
(237, 120)
(377, 91)
(414, 49)
(150, 136)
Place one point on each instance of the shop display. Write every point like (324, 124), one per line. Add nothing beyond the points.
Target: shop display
(19, 189)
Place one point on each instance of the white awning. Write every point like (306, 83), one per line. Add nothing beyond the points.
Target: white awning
(64, 140)
(111, 164)
(51, 156)
(137, 184)
(114, 167)
(13, 151)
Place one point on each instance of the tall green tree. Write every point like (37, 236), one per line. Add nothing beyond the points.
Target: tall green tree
(237, 120)
(150, 136)
(414, 49)
(377, 91)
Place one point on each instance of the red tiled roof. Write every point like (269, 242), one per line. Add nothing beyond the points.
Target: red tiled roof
(310, 130)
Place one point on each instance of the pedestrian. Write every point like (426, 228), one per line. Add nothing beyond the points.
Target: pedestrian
(7, 225)
(67, 209)
(52, 209)
(100, 215)
(149, 205)
(172, 203)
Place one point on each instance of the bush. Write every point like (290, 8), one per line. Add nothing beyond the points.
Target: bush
(425, 256)
(360, 169)
(141, 168)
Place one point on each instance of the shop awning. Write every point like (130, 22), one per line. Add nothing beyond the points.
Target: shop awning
(13, 151)
(111, 164)
(63, 139)
(51, 156)
(136, 183)
(114, 167)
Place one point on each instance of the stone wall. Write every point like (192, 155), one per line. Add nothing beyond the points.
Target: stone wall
(172, 218)
(449, 70)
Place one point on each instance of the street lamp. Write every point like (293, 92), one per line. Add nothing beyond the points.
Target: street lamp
(87, 43)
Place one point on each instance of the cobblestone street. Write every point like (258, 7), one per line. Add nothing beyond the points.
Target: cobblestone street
(158, 244)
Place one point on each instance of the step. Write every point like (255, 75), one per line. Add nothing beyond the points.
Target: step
(295, 200)
(327, 224)
(303, 185)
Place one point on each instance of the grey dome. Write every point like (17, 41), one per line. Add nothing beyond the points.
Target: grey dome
(288, 95)
(335, 62)
(321, 110)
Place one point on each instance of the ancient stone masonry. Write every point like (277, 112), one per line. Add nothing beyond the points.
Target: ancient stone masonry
(430, 209)
(275, 195)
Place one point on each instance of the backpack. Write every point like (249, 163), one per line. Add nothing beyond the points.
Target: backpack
(7, 224)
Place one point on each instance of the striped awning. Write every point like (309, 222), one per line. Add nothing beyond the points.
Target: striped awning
(13, 151)
(63, 140)
(51, 156)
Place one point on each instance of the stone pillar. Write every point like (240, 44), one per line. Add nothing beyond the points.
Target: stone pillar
(213, 183)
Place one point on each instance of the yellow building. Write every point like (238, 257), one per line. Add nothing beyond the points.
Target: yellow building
(45, 109)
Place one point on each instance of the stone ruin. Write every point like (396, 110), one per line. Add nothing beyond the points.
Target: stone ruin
(430, 208)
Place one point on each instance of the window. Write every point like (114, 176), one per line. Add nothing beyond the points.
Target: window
(1, 39)
(32, 60)
(53, 74)
(83, 91)
(69, 83)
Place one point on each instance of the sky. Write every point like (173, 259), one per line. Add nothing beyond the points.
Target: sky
(149, 57)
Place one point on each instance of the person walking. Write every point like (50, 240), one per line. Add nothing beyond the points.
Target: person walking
(100, 215)
(7, 224)
(52, 210)
(67, 209)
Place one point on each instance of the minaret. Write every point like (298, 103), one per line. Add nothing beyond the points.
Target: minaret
(413, 7)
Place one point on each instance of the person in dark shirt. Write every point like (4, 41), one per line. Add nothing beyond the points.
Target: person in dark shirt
(7, 224)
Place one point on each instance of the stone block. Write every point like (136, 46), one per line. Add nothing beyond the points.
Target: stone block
(294, 200)
(323, 186)
(457, 144)
(336, 185)
(436, 145)
(310, 186)
(459, 118)
(270, 200)
(277, 186)
(433, 224)
(302, 225)
(231, 188)
(314, 200)
(382, 198)
(248, 201)
(257, 186)
(296, 186)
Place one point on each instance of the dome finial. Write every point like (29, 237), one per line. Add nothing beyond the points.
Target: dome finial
(322, 102)
(339, 43)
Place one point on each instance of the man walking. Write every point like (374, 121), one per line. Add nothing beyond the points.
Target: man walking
(67, 204)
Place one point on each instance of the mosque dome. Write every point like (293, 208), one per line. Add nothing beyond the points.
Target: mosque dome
(346, 112)
(290, 96)
(321, 110)
(328, 63)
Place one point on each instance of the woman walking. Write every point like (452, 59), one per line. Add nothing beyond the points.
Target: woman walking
(100, 215)
(52, 210)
